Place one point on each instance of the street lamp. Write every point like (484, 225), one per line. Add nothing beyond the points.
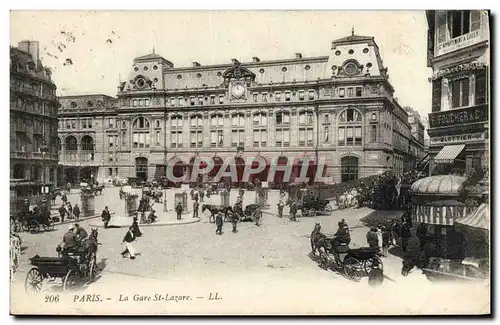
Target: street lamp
(43, 150)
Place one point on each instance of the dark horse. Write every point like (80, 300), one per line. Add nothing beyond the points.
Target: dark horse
(317, 238)
(215, 209)
(91, 248)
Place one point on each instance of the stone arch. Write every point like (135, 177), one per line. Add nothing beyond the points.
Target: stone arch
(349, 168)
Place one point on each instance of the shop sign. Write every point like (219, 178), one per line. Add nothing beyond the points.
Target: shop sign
(458, 43)
(472, 114)
(459, 138)
(438, 215)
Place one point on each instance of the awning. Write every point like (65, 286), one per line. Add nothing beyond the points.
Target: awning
(480, 218)
(448, 154)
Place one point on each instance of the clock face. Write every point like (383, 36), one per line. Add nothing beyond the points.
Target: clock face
(238, 90)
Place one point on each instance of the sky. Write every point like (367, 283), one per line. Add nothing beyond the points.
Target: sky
(101, 45)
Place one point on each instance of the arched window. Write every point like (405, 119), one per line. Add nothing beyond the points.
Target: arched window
(238, 130)
(196, 121)
(260, 130)
(350, 128)
(140, 135)
(238, 120)
(140, 123)
(306, 135)
(196, 136)
(282, 122)
(216, 121)
(349, 168)
(306, 117)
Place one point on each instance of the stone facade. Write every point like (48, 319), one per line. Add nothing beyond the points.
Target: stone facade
(33, 117)
(338, 107)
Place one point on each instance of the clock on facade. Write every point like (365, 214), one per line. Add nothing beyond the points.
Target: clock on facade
(238, 90)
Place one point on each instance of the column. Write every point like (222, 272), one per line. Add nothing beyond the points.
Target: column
(271, 129)
(227, 129)
(249, 130)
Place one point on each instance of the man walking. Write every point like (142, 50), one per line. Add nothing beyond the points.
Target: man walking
(219, 222)
(76, 212)
(280, 209)
(62, 212)
(64, 198)
(234, 221)
(179, 209)
(105, 217)
(405, 235)
(195, 209)
(202, 194)
(128, 240)
(293, 211)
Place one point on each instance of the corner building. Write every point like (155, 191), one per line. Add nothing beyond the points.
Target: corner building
(338, 107)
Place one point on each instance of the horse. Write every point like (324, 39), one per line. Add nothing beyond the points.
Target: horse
(214, 209)
(316, 238)
(98, 189)
(91, 244)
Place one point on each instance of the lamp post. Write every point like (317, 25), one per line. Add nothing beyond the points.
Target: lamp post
(43, 150)
(165, 207)
(316, 111)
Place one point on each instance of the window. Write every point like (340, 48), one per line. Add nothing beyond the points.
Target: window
(341, 92)
(196, 121)
(110, 171)
(134, 102)
(255, 97)
(196, 139)
(460, 93)
(301, 95)
(176, 139)
(238, 120)
(306, 118)
(176, 122)
(349, 92)
(192, 101)
(326, 118)
(146, 102)
(157, 123)
(277, 97)
(111, 139)
(221, 99)
(172, 101)
(181, 101)
(141, 102)
(212, 100)
(237, 138)
(259, 138)
(217, 121)
(373, 137)
(158, 138)
(458, 22)
(111, 122)
(216, 138)
(287, 96)
(349, 168)
(260, 119)
(89, 123)
(282, 137)
(311, 94)
(73, 124)
(326, 133)
(264, 97)
(200, 100)
(140, 123)
(349, 130)
(359, 91)
(124, 138)
(282, 118)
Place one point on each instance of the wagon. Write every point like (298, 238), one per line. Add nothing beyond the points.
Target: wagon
(32, 223)
(71, 269)
(312, 206)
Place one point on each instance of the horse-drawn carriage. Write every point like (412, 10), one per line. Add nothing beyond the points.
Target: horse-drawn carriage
(311, 206)
(355, 263)
(153, 192)
(32, 221)
(248, 213)
(70, 267)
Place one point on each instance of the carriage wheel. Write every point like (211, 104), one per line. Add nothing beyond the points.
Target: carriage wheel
(49, 226)
(371, 263)
(324, 260)
(328, 208)
(69, 280)
(353, 268)
(34, 226)
(312, 213)
(33, 282)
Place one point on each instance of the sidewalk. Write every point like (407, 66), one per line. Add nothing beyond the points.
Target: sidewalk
(168, 218)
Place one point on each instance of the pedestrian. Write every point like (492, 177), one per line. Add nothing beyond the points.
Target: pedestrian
(62, 212)
(234, 221)
(106, 217)
(386, 241)
(293, 211)
(76, 212)
(219, 222)
(280, 209)
(421, 235)
(135, 227)
(202, 194)
(395, 232)
(70, 211)
(257, 215)
(372, 238)
(405, 235)
(195, 209)
(128, 240)
(179, 209)
(53, 197)
(64, 198)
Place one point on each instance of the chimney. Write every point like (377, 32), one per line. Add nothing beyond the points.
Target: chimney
(235, 61)
(256, 59)
(298, 55)
(30, 47)
(196, 64)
